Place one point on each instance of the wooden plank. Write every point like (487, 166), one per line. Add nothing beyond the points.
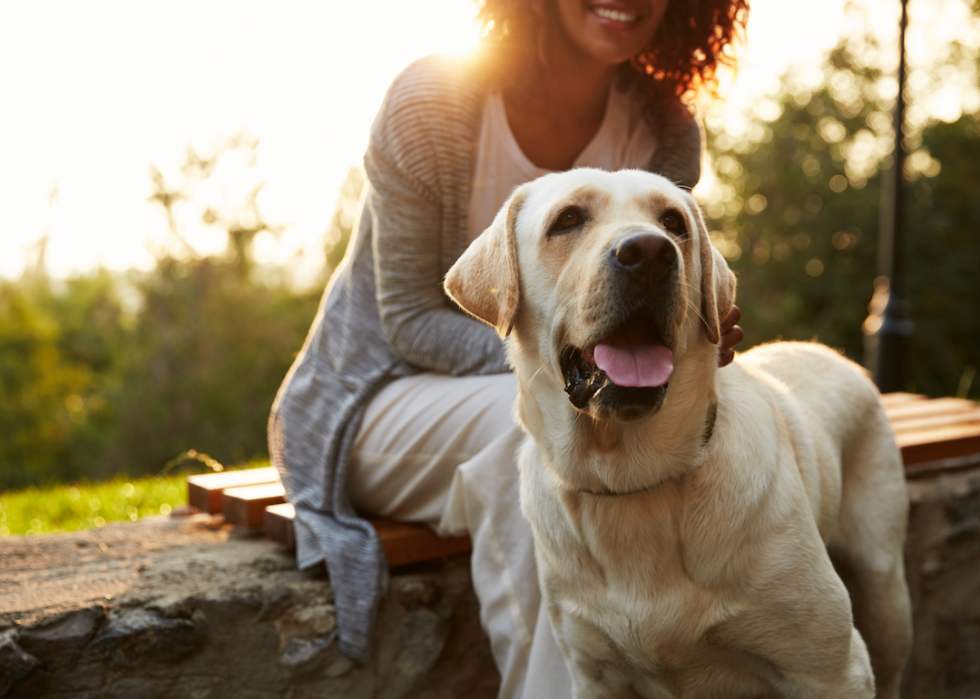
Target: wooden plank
(915, 424)
(279, 524)
(936, 406)
(410, 543)
(245, 506)
(403, 543)
(204, 490)
(939, 443)
(890, 399)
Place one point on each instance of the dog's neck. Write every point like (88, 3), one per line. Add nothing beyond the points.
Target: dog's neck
(609, 457)
(606, 492)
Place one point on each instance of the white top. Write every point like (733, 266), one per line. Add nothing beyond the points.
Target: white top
(623, 141)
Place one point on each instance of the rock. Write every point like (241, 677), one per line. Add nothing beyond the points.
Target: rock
(64, 634)
(138, 636)
(942, 564)
(15, 662)
(220, 615)
(301, 651)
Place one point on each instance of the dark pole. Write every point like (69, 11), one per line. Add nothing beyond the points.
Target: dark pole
(888, 329)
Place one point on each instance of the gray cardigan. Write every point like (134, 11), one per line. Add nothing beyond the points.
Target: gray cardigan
(384, 314)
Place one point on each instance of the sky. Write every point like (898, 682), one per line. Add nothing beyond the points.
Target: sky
(92, 93)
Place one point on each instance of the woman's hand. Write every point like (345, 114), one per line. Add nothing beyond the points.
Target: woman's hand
(731, 335)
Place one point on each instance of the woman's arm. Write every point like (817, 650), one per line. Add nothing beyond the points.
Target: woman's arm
(415, 316)
(409, 160)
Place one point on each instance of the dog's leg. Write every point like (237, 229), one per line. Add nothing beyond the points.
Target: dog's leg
(589, 681)
(867, 553)
(883, 616)
(882, 613)
(592, 658)
(855, 681)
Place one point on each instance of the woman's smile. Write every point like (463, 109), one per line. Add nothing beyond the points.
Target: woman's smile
(610, 31)
(615, 16)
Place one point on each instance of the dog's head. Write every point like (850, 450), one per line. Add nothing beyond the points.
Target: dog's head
(605, 278)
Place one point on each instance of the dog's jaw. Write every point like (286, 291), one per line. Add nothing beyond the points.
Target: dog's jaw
(646, 340)
(584, 382)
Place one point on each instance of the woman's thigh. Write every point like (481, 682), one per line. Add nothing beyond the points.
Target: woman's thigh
(416, 432)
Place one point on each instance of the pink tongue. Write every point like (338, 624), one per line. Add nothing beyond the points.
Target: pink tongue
(634, 361)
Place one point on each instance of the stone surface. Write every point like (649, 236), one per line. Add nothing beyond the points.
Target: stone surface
(942, 564)
(173, 608)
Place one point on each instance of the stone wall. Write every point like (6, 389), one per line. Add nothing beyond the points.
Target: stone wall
(188, 608)
(942, 566)
(232, 618)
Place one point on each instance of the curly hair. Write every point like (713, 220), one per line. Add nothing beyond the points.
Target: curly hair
(683, 57)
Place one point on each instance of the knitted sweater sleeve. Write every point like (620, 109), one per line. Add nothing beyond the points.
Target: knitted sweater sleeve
(410, 161)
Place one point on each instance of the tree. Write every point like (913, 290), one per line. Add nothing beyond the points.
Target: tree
(797, 217)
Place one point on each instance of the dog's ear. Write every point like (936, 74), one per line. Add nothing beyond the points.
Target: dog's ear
(484, 280)
(717, 283)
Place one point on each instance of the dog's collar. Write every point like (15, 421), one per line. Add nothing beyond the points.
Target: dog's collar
(709, 430)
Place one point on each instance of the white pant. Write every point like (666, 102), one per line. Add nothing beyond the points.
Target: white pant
(442, 450)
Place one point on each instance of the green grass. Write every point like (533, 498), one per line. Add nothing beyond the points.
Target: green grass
(64, 508)
(74, 506)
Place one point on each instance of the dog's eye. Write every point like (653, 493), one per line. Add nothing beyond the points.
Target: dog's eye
(673, 221)
(569, 218)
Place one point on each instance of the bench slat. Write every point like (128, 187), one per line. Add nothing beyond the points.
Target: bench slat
(204, 490)
(939, 443)
(245, 506)
(279, 524)
(936, 406)
(890, 399)
(402, 543)
(915, 424)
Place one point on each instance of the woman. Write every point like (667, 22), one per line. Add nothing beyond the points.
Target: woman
(399, 404)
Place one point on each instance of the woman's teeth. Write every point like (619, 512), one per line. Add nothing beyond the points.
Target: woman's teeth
(614, 15)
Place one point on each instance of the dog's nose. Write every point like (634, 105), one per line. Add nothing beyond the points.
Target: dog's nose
(646, 253)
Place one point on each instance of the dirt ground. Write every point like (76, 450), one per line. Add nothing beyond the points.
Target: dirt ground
(46, 574)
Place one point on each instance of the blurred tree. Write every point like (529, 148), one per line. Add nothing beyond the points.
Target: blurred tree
(211, 343)
(88, 390)
(209, 351)
(59, 376)
(342, 223)
(798, 210)
(944, 257)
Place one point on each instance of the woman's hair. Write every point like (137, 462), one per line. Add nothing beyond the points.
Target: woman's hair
(683, 57)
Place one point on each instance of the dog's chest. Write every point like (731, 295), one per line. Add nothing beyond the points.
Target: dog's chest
(662, 643)
(620, 565)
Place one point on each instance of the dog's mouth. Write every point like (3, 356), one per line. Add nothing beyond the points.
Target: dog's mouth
(630, 367)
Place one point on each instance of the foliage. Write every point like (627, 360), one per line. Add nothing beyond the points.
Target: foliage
(59, 358)
(89, 389)
(342, 222)
(87, 505)
(799, 210)
(944, 250)
(206, 357)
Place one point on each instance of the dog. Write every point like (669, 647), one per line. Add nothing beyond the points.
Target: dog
(699, 532)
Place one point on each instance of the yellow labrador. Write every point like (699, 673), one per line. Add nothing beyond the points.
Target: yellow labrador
(699, 532)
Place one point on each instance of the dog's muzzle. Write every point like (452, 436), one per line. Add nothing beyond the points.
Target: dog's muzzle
(626, 369)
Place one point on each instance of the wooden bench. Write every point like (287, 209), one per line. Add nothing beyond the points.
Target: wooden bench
(256, 498)
(935, 435)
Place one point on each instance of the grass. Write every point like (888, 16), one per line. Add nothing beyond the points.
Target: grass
(74, 506)
(65, 508)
